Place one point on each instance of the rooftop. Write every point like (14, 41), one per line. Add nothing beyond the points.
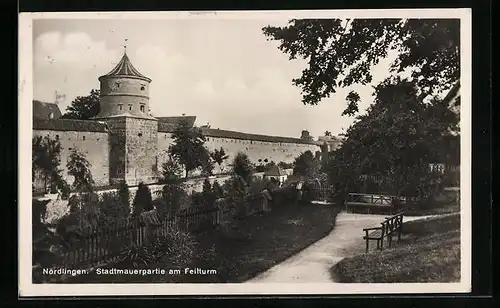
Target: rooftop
(126, 69)
(69, 125)
(43, 110)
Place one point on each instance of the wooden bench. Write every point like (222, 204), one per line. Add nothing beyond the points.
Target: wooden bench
(390, 226)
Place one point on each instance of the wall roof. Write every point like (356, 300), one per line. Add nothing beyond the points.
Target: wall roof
(69, 125)
(43, 110)
(176, 120)
(210, 132)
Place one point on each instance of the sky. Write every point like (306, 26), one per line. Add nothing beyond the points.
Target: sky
(224, 71)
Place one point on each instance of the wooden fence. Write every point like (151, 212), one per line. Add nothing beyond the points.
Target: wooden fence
(105, 244)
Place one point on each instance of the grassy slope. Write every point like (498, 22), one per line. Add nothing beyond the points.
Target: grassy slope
(429, 251)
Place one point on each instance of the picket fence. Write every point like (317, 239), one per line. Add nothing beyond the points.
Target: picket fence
(106, 244)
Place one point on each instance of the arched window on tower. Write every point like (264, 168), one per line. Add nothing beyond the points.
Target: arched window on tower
(142, 108)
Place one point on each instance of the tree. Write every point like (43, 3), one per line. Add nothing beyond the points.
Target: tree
(173, 192)
(208, 193)
(217, 189)
(328, 133)
(305, 165)
(46, 161)
(124, 196)
(207, 166)
(79, 167)
(341, 53)
(219, 156)
(242, 167)
(395, 140)
(188, 147)
(84, 107)
(142, 200)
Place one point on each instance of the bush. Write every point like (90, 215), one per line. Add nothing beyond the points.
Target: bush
(258, 185)
(217, 190)
(172, 197)
(177, 248)
(142, 200)
(112, 209)
(242, 167)
(124, 195)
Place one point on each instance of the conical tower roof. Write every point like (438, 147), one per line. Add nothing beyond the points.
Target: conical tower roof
(124, 68)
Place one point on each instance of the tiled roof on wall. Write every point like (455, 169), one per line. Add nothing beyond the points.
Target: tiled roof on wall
(219, 133)
(245, 136)
(69, 125)
(176, 120)
(166, 127)
(44, 110)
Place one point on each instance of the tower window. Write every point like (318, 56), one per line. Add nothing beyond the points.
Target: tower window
(130, 107)
(140, 134)
(120, 106)
(142, 108)
(143, 88)
(57, 137)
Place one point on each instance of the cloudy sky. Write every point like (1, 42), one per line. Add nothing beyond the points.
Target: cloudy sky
(223, 71)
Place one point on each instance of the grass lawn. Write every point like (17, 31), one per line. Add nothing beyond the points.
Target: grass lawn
(429, 251)
(261, 241)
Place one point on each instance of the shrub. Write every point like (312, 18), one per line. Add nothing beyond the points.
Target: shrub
(142, 200)
(79, 167)
(176, 248)
(112, 209)
(236, 193)
(172, 197)
(217, 190)
(242, 167)
(258, 185)
(124, 195)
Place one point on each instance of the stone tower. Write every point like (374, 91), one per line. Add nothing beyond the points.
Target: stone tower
(124, 106)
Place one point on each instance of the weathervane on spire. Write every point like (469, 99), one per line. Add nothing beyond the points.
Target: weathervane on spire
(125, 46)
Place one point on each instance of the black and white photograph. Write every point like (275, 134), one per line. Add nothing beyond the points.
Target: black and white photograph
(252, 152)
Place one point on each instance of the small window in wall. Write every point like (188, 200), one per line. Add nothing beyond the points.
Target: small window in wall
(130, 107)
(142, 108)
(143, 88)
(140, 134)
(120, 106)
(208, 139)
(83, 137)
(57, 137)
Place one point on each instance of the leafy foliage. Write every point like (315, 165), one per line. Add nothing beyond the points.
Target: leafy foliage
(112, 208)
(219, 156)
(188, 147)
(341, 53)
(395, 141)
(46, 161)
(142, 200)
(242, 167)
(124, 195)
(79, 167)
(217, 190)
(84, 107)
(173, 193)
(306, 165)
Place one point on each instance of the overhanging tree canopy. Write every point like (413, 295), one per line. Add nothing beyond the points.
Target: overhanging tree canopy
(341, 53)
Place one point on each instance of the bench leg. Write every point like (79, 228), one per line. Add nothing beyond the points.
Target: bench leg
(378, 244)
(390, 240)
(367, 241)
(399, 232)
(382, 243)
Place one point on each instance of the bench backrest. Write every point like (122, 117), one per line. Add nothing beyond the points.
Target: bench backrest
(392, 223)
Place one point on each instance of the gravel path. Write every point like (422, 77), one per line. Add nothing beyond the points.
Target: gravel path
(313, 263)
